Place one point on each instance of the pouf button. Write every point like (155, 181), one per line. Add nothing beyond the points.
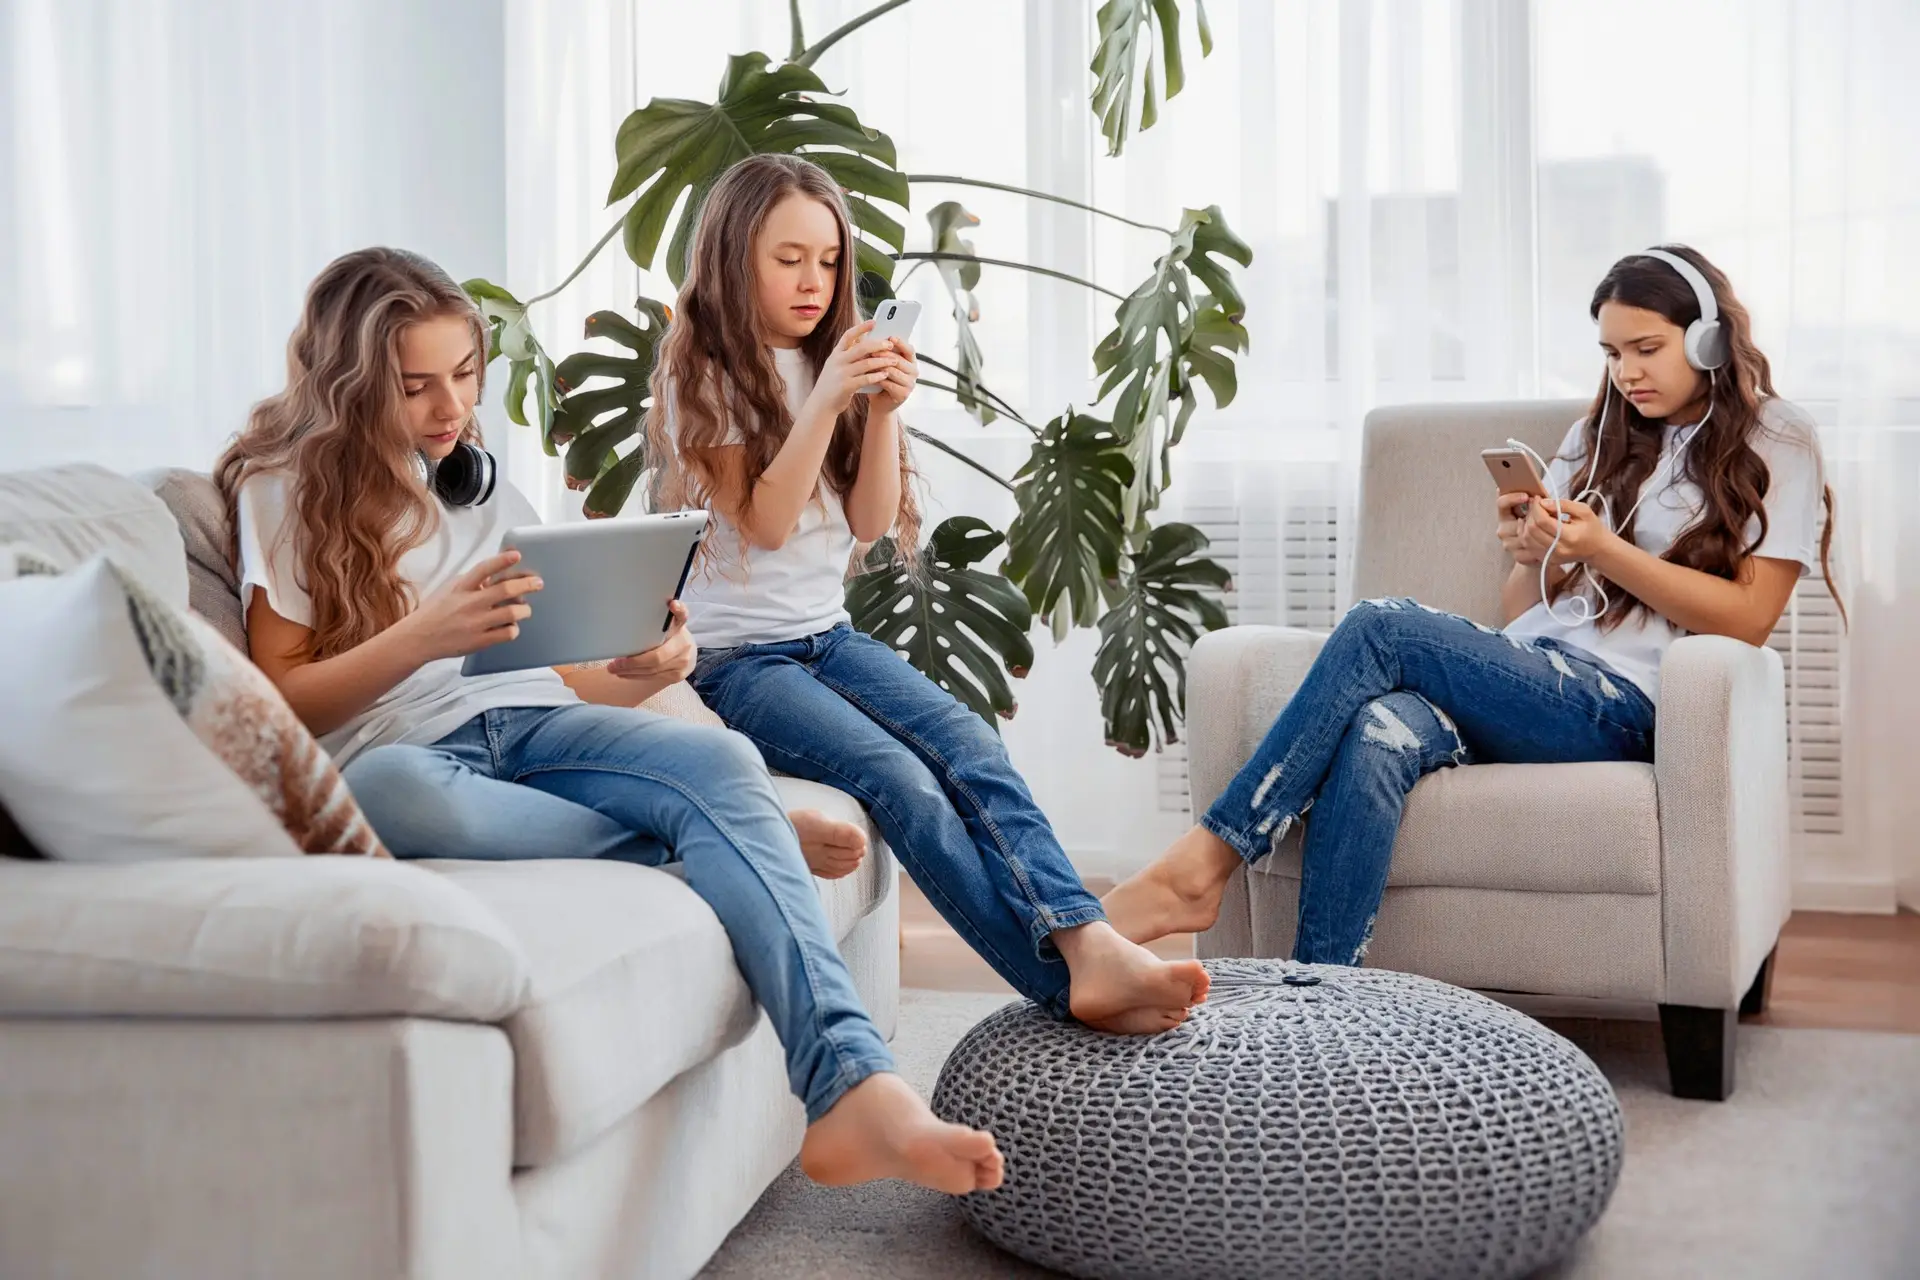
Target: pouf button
(1301, 980)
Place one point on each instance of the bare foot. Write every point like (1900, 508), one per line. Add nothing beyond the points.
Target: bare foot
(1121, 987)
(881, 1128)
(1179, 893)
(833, 849)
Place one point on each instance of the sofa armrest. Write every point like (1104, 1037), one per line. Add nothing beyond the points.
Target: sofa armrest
(312, 937)
(1720, 764)
(1238, 679)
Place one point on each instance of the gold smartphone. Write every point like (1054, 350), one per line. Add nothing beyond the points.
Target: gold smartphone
(1513, 471)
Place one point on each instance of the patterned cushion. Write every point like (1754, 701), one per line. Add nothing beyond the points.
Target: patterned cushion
(239, 716)
(1307, 1120)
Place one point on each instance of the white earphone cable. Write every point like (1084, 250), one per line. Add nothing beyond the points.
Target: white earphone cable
(1581, 607)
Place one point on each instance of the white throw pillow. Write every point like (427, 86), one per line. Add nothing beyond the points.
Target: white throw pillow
(96, 765)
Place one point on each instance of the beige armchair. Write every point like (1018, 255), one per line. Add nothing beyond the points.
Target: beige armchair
(1603, 883)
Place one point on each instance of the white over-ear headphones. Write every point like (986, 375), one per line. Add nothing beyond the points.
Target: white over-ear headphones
(1705, 345)
(1706, 341)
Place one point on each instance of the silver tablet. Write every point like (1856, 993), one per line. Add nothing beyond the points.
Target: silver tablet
(608, 585)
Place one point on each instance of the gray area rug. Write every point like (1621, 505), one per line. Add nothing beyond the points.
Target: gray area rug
(1812, 1169)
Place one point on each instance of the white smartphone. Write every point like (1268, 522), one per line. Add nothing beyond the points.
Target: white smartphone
(893, 318)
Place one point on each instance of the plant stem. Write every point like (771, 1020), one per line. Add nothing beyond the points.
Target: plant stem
(951, 180)
(1002, 262)
(952, 452)
(980, 390)
(798, 45)
(845, 29)
(573, 275)
(955, 393)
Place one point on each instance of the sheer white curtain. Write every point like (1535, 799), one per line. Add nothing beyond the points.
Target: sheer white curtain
(1431, 189)
(174, 172)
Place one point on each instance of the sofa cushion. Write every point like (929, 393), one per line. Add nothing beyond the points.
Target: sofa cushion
(213, 588)
(318, 937)
(1542, 828)
(74, 512)
(633, 981)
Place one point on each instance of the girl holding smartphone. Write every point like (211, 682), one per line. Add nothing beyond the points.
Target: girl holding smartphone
(758, 418)
(1692, 501)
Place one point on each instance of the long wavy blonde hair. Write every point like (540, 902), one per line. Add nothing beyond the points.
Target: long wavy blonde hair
(715, 359)
(338, 433)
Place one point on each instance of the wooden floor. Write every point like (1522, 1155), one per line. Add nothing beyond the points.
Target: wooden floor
(1844, 972)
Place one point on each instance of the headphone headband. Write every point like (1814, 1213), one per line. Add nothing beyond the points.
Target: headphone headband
(1705, 343)
(1702, 291)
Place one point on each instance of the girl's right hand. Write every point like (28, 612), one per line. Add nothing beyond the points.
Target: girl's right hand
(473, 612)
(857, 361)
(1512, 529)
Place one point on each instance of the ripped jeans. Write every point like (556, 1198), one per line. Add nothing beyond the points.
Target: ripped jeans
(1398, 691)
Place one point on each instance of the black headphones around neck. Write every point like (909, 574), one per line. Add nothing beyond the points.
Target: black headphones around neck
(465, 477)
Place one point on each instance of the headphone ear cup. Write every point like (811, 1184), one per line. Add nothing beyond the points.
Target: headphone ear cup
(1706, 345)
(465, 477)
(1711, 344)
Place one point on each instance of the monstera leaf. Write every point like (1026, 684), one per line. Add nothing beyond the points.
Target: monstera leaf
(528, 368)
(1163, 337)
(676, 145)
(1161, 609)
(957, 624)
(1126, 35)
(591, 422)
(1066, 540)
(962, 278)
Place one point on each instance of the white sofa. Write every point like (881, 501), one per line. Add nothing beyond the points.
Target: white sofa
(348, 1067)
(1601, 886)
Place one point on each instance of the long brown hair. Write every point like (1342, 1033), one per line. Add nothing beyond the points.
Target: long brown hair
(715, 364)
(338, 433)
(1719, 456)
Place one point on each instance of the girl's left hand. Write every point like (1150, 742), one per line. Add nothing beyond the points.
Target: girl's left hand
(1582, 535)
(671, 660)
(901, 378)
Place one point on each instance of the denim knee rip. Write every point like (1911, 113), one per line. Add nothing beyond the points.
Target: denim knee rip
(1388, 730)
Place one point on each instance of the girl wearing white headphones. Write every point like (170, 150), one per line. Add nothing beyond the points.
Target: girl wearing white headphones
(1689, 499)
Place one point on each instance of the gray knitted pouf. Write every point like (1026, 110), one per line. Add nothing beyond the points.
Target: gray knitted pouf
(1370, 1124)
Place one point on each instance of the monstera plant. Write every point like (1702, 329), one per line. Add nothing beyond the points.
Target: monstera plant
(1084, 549)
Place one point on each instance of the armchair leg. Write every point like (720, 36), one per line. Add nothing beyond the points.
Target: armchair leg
(1760, 994)
(1699, 1046)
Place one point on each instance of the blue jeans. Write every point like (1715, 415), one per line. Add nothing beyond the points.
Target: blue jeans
(608, 782)
(1399, 691)
(842, 709)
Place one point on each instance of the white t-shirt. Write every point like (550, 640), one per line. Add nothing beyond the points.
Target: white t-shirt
(741, 594)
(1785, 441)
(436, 699)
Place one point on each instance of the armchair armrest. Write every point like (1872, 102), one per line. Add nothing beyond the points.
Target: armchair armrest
(1238, 679)
(1720, 765)
(314, 937)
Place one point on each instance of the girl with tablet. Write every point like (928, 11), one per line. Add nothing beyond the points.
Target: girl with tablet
(758, 419)
(367, 576)
(1690, 499)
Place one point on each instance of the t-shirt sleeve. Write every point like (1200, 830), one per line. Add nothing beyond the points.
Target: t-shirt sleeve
(516, 512)
(1567, 461)
(269, 556)
(1788, 443)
